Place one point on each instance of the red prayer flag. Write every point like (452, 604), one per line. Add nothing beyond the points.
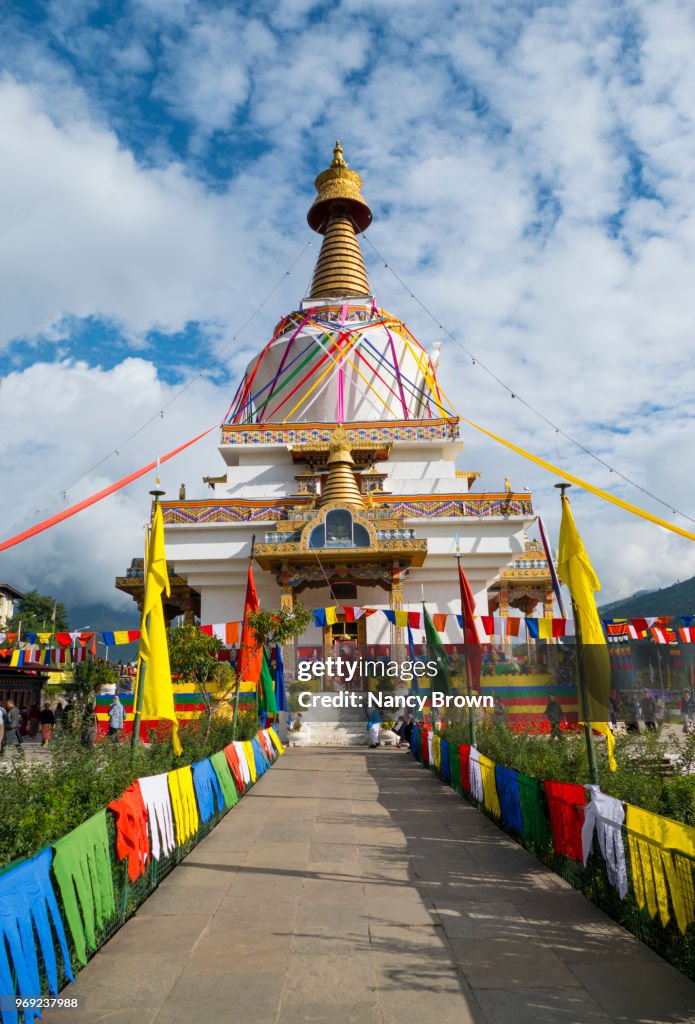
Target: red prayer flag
(250, 654)
(348, 613)
(474, 652)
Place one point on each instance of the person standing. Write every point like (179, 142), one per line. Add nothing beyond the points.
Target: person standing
(34, 719)
(648, 711)
(2, 729)
(554, 713)
(47, 719)
(116, 719)
(13, 721)
(631, 710)
(88, 733)
(688, 711)
(499, 713)
(373, 727)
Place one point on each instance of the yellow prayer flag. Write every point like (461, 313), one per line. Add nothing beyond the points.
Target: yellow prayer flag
(331, 616)
(121, 636)
(577, 572)
(545, 629)
(153, 653)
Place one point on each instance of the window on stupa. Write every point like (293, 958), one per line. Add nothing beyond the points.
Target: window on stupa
(340, 531)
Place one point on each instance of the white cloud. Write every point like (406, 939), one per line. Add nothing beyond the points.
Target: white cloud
(532, 171)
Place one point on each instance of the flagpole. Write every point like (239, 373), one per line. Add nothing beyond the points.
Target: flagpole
(241, 661)
(142, 667)
(581, 676)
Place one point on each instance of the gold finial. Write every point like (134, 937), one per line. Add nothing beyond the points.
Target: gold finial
(338, 160)
(339, 188)
(339, 213)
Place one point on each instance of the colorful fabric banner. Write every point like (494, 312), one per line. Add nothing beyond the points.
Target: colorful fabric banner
(223, 772)
(28, 906)
(82, 869)
(160, 815)
(566, 808)
(132, 843)
(183, 803)
(507, 784)
(605, 816)
(207, 789)
(658, 869)
(490, 798)
(154, 670)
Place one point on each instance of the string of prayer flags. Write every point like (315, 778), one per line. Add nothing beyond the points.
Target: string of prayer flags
(226, 632)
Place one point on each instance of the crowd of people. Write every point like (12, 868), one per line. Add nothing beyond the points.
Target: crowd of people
(17, 725)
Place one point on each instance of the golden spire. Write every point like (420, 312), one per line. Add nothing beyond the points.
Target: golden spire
(339, 213)
(340, 484)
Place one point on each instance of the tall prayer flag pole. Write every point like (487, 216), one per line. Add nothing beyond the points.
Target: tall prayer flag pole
(154, 695)
(470, 631)
(248, 663)
(576, 571)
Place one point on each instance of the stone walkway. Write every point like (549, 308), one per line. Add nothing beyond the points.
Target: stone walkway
(352, 886)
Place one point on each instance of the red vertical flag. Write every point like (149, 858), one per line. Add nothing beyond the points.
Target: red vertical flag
(250, 653)
(474, 650)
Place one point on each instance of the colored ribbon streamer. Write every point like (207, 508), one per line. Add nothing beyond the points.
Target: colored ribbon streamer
(634, 509)
(46, 524)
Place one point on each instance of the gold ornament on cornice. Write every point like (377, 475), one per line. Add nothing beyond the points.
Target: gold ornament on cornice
(340, 484)
(339, 213)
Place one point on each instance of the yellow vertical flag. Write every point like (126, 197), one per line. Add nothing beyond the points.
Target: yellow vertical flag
(576, 571)
(153, 653)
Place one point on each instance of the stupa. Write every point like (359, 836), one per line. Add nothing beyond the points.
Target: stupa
(340, 458)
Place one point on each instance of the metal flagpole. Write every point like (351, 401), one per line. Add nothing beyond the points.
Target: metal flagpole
(581, 676)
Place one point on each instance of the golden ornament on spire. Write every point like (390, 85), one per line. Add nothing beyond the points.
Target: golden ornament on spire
(339, 213)
(340, 187)
(340, 484)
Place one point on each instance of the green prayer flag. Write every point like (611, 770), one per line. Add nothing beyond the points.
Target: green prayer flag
(435, 652)
(82, 869)
(266, 688)
(534, 821)
(224, 776)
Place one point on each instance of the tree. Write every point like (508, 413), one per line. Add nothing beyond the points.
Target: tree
(35, 612)
(279, 625)
(193, 656)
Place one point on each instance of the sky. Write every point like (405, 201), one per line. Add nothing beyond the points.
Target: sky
(531, 170)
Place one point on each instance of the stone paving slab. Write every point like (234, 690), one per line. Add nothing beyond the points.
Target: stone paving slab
(352, 886)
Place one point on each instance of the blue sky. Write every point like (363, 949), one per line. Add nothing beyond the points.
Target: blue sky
(531, 168)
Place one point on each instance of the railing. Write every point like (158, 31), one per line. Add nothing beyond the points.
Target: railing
(672, 894)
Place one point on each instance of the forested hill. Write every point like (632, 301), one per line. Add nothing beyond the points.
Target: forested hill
(678, 599)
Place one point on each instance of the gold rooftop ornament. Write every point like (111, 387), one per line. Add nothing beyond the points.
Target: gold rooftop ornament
(339, 213)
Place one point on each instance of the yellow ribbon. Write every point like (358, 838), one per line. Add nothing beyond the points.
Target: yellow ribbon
(582, 483)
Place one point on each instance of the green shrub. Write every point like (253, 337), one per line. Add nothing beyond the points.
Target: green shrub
(643, 777)
(39, 803)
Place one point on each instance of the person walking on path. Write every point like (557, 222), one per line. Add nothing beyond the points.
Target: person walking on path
(648, 711)
(554, 713)
(47, 719)
(89, 728)
(116, 719)
(13, 721)
(687, 711)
